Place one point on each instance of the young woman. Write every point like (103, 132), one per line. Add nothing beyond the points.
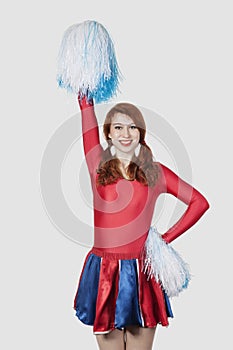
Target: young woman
(114, 294)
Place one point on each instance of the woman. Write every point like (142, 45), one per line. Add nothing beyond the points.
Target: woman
(114, 294)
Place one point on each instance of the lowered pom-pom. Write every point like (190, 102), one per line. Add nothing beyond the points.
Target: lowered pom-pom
(165, 264)
(87, 62)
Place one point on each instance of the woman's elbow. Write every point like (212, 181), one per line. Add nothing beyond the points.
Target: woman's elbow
(204, 204)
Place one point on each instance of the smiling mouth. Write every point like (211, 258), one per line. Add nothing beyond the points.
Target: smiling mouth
(125, 143)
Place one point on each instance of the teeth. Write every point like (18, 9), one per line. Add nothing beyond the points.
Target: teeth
(125, 142)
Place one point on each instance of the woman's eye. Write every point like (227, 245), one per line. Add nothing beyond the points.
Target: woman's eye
(118, 127)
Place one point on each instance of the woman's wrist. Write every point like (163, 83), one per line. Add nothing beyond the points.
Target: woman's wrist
(165, 238)
(85, 102)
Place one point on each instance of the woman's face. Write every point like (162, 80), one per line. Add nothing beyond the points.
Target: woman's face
(124, 134)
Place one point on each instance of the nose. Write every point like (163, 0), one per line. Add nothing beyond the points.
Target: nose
(125, 131)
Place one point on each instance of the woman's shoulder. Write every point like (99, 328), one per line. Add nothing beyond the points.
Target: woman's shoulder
(158, 171)
(158, 165)
(161, 168)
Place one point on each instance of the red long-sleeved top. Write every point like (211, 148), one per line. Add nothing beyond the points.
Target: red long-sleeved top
(123, 211)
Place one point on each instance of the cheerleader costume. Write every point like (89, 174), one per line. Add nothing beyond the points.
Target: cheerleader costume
(113, 291)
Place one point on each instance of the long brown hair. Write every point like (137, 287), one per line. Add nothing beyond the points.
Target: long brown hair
(141, 168)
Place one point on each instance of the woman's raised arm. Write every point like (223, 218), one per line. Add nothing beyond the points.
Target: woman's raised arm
(197, 203)
(90, 131)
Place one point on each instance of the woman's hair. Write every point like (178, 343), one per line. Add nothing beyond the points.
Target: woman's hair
(141, 168)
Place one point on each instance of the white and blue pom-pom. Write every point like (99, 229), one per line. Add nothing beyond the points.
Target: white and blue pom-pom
(87, 62)
(165, 264)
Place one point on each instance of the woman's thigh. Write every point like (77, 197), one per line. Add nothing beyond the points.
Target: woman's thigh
(111, 341)
(139, 338)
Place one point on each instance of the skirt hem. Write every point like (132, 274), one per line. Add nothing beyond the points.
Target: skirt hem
(163, 324)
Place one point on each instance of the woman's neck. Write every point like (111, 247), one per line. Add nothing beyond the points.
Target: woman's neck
(125, 159)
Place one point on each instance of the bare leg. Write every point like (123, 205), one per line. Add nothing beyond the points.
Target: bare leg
(111, 341)
(138, 338)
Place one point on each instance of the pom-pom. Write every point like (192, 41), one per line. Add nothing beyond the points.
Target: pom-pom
(165, 264)
(87, 62)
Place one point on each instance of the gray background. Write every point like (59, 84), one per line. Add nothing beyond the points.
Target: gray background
(176, 59)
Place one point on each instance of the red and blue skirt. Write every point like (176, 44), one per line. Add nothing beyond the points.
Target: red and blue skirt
(114, 292)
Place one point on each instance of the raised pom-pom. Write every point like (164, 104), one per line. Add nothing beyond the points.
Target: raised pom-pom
(87, 62)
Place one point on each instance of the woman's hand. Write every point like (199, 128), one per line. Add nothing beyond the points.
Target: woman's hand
(85, 102)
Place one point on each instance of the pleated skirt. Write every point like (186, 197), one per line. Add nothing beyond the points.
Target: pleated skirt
(114, 293)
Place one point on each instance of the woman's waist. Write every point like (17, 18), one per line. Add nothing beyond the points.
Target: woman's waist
(116, 256)
(121, 250)
(122, 237)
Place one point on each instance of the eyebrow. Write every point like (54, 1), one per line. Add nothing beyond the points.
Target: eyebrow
(123, 124)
